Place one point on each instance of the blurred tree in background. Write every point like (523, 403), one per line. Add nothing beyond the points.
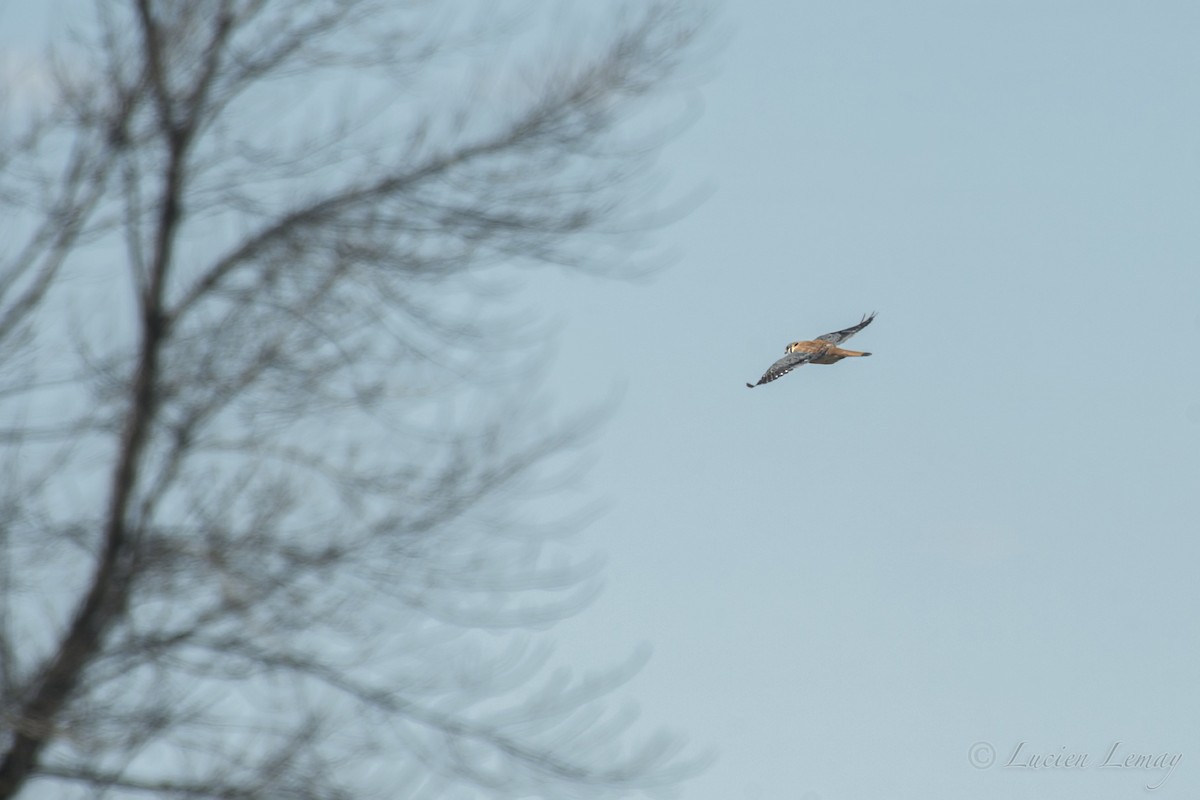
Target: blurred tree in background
(273, 516)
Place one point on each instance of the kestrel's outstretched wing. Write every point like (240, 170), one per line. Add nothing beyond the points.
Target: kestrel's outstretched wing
(783, 366)
(837, 337)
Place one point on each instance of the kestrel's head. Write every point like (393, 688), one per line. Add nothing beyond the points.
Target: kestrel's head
(791, 348)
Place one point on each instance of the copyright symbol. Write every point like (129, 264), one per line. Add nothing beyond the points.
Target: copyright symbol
(981, 755)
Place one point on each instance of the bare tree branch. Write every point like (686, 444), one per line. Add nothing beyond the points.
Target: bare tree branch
(266, 245)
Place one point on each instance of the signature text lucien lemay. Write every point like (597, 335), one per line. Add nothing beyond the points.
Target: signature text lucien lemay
(1117, 757)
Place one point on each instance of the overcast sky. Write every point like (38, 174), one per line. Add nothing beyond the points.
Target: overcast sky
(867, 579)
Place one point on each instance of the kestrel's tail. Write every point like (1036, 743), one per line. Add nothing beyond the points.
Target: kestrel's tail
(852, 353)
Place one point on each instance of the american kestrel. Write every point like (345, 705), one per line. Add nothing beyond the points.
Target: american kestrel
(822, 350)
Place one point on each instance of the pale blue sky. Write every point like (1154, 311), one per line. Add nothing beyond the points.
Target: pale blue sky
(987, 531)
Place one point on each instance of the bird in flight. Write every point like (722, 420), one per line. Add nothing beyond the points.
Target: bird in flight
(822, 350)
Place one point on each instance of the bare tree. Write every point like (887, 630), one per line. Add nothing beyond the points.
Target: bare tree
(277, 514)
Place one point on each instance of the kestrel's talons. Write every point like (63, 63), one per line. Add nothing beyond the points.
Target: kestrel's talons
(822, 350)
